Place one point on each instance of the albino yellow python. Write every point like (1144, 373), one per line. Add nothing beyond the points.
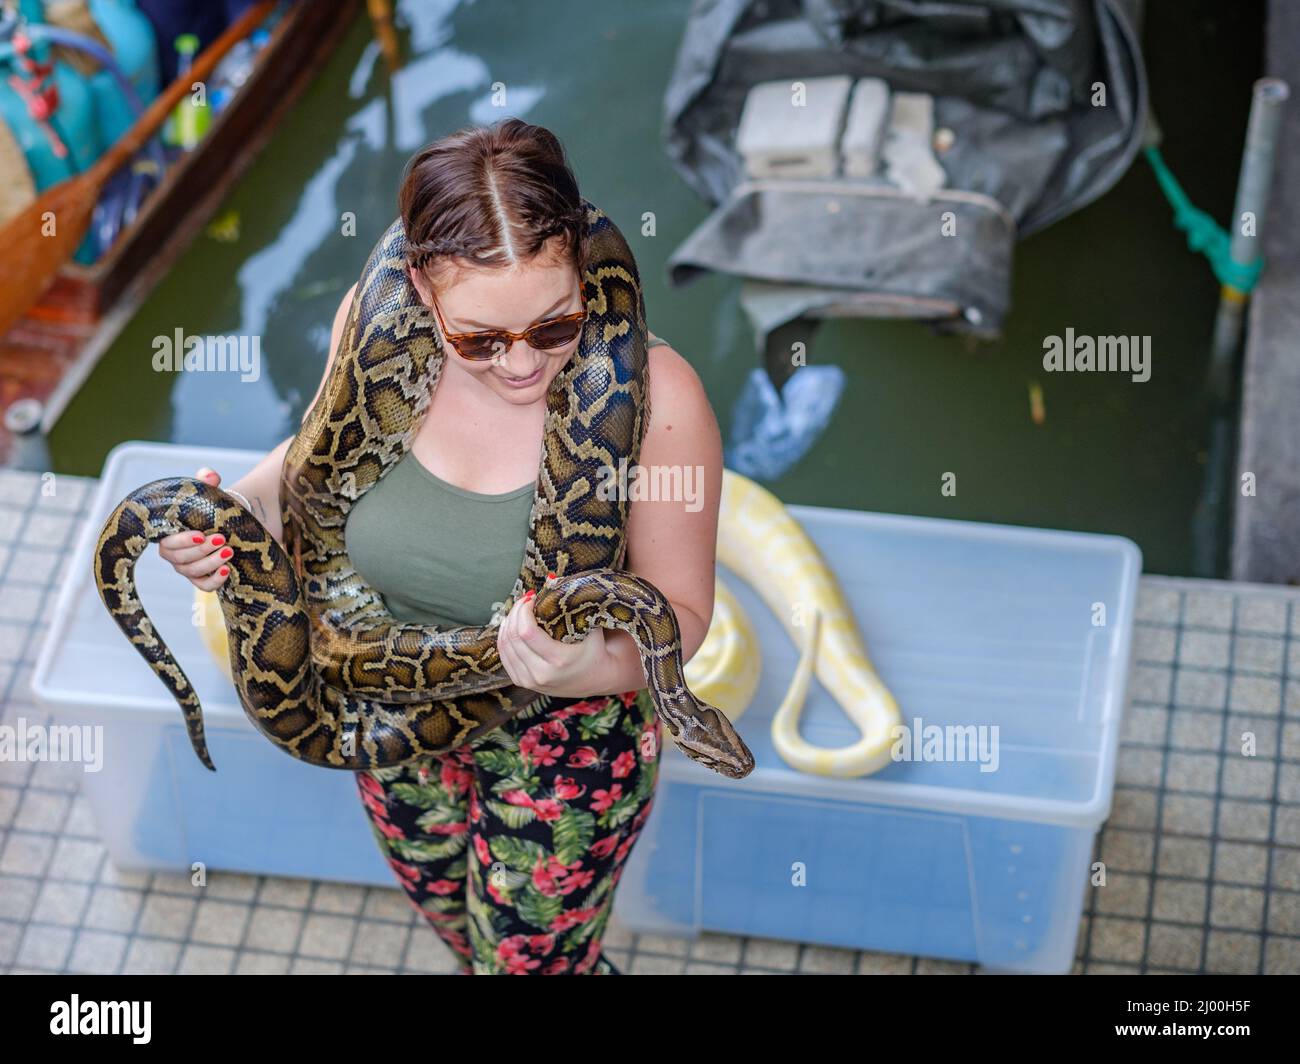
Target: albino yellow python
(320, 666)
(761, 542)
(725, 671)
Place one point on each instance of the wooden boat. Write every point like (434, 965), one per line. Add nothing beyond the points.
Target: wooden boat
(51, 350)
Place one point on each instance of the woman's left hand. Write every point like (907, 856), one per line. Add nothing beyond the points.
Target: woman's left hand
(535, 661)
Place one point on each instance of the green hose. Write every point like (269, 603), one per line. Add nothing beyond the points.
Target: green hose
(1204, 234)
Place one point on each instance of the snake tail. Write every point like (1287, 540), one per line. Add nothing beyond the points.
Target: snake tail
(149, 514)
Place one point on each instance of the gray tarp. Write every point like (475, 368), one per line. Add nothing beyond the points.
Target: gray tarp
(1013, 79)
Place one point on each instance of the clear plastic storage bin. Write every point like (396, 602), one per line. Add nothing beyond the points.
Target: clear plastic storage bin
(968, 624)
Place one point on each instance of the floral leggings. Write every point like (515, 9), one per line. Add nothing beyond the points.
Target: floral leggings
(511, 846)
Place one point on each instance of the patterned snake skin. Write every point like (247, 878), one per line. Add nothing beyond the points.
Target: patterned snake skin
(321, 668)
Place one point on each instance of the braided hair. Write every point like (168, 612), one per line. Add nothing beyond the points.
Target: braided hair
(418, 253)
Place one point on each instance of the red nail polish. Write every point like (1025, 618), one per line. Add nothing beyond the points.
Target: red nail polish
(551, 576)
(224, 571)
(226, 552)
(198, 539)
(218, 539)
(528, 595)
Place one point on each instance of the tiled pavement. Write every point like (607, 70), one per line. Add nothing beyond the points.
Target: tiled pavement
(1202, 846)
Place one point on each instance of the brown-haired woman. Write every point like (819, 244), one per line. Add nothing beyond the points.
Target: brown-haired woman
(512, 846)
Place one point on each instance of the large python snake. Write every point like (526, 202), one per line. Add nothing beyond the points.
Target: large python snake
(757, 537)
(320, 666)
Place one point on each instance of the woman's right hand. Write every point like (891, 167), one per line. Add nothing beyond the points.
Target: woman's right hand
(200, 559)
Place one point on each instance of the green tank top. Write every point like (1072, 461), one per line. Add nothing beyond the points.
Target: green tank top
(439, 554)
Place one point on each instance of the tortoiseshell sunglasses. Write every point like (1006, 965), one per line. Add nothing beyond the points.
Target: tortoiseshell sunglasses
(545, 336)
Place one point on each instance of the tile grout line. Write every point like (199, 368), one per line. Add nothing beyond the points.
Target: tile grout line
(1211, 878)
(24, 659)
(1158, 824)
(77, 926)
(295, 953)
(240, 946)
(1271, 840)
(29, 507)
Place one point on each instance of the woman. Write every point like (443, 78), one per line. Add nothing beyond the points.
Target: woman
(512, 846)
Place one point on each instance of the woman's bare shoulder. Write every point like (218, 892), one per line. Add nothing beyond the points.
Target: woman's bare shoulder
(676, 396)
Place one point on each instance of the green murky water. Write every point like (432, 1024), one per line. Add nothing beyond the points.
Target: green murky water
(1111, 456)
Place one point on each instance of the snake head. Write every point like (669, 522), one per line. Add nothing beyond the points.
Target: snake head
(704, 734)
